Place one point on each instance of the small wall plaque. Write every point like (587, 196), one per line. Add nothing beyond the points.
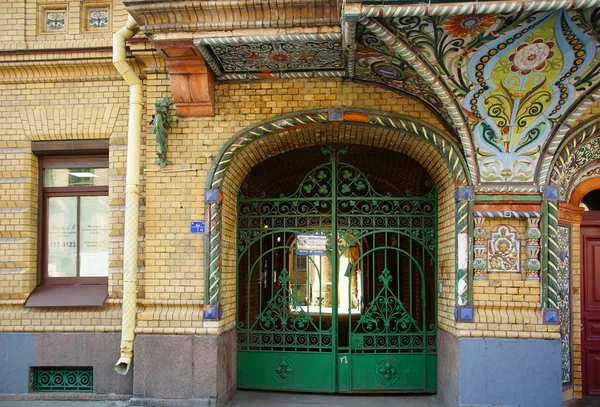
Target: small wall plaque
(197, 227)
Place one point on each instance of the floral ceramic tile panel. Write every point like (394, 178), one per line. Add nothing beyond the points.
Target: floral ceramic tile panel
(98, 17)
(564, 299)
(55, 19)
(504, 250)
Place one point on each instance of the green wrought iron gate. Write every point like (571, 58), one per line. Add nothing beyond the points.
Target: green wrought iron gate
(337, 287)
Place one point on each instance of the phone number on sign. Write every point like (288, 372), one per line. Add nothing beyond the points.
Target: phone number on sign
(63, 244)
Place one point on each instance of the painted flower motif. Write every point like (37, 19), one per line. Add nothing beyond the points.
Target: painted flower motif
(469, 25)
(279, 57)
(531, 57)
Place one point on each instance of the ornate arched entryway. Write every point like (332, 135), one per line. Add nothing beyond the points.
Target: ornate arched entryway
(336, 272)
(357, 310)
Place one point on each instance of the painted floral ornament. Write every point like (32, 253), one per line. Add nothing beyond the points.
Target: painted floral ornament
(531, 57)
(469, 25)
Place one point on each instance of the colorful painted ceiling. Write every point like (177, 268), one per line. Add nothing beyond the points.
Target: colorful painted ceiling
(508, 79)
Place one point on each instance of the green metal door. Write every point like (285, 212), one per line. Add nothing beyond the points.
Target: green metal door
(337, 287)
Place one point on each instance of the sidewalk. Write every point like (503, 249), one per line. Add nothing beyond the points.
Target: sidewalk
(57, 403)
(266, 399)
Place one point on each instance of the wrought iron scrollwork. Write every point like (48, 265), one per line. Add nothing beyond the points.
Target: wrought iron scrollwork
(283, 312)
(386, 313)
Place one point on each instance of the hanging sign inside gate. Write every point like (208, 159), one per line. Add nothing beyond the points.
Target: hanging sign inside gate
(311, 245)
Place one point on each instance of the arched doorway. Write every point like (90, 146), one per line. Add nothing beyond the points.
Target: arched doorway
(432, 149)
(586, 197)
(336, 272)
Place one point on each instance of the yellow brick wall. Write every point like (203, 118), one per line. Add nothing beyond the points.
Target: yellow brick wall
(29, 112)
(12, 24)
(176, 198)
(507, 306)
(172, 260)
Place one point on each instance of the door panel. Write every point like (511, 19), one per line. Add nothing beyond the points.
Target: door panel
(590, 237)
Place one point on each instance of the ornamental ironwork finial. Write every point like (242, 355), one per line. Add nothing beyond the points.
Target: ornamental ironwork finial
(334, 150)
(161, 121)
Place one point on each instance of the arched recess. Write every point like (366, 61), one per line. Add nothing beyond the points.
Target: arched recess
(574, 172)
(435, 151)
(579, 150)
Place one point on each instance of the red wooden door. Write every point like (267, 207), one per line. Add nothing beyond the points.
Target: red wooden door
(590, 260)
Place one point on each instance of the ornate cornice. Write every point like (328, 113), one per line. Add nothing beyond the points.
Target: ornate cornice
(189, 16)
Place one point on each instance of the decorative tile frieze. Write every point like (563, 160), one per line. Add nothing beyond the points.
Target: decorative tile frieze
(284, 53)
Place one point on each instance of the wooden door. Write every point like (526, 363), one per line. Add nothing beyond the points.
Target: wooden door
(590, 246)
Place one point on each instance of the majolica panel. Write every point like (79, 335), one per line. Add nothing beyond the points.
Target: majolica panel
(98, 17)
(515, 76)
(504, 249)
(564, 299)
(55, 20)
(279, 56)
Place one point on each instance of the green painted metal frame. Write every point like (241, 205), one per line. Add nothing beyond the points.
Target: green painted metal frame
(279, 337)
(62, 379)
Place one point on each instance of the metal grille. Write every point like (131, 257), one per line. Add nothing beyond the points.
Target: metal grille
(365, 303)
(63, 379)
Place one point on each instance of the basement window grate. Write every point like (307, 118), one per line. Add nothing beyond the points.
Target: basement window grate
(63, 379)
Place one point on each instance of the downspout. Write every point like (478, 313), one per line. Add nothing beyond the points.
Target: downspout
(132, 194)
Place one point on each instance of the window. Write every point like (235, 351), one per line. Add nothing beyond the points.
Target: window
(74, 229)
(75, 202)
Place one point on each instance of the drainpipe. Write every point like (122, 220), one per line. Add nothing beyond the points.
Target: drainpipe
(132, 194)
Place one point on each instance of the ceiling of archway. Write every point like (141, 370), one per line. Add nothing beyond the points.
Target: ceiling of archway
(386, 170)
(507, 84)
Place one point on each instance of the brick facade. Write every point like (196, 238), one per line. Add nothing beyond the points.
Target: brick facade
(51, 91)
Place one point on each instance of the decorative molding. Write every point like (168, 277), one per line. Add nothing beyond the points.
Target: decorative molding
(553, 255)
(462, 249)
(386, 120)
(197, 16)
(69, 122)
(280, 75)
(508, 214)
(101, 69)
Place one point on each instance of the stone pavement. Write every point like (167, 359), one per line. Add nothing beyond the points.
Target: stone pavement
(267, 399)
(62, 403)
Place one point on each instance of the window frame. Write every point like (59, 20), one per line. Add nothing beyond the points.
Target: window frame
(63, 161)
